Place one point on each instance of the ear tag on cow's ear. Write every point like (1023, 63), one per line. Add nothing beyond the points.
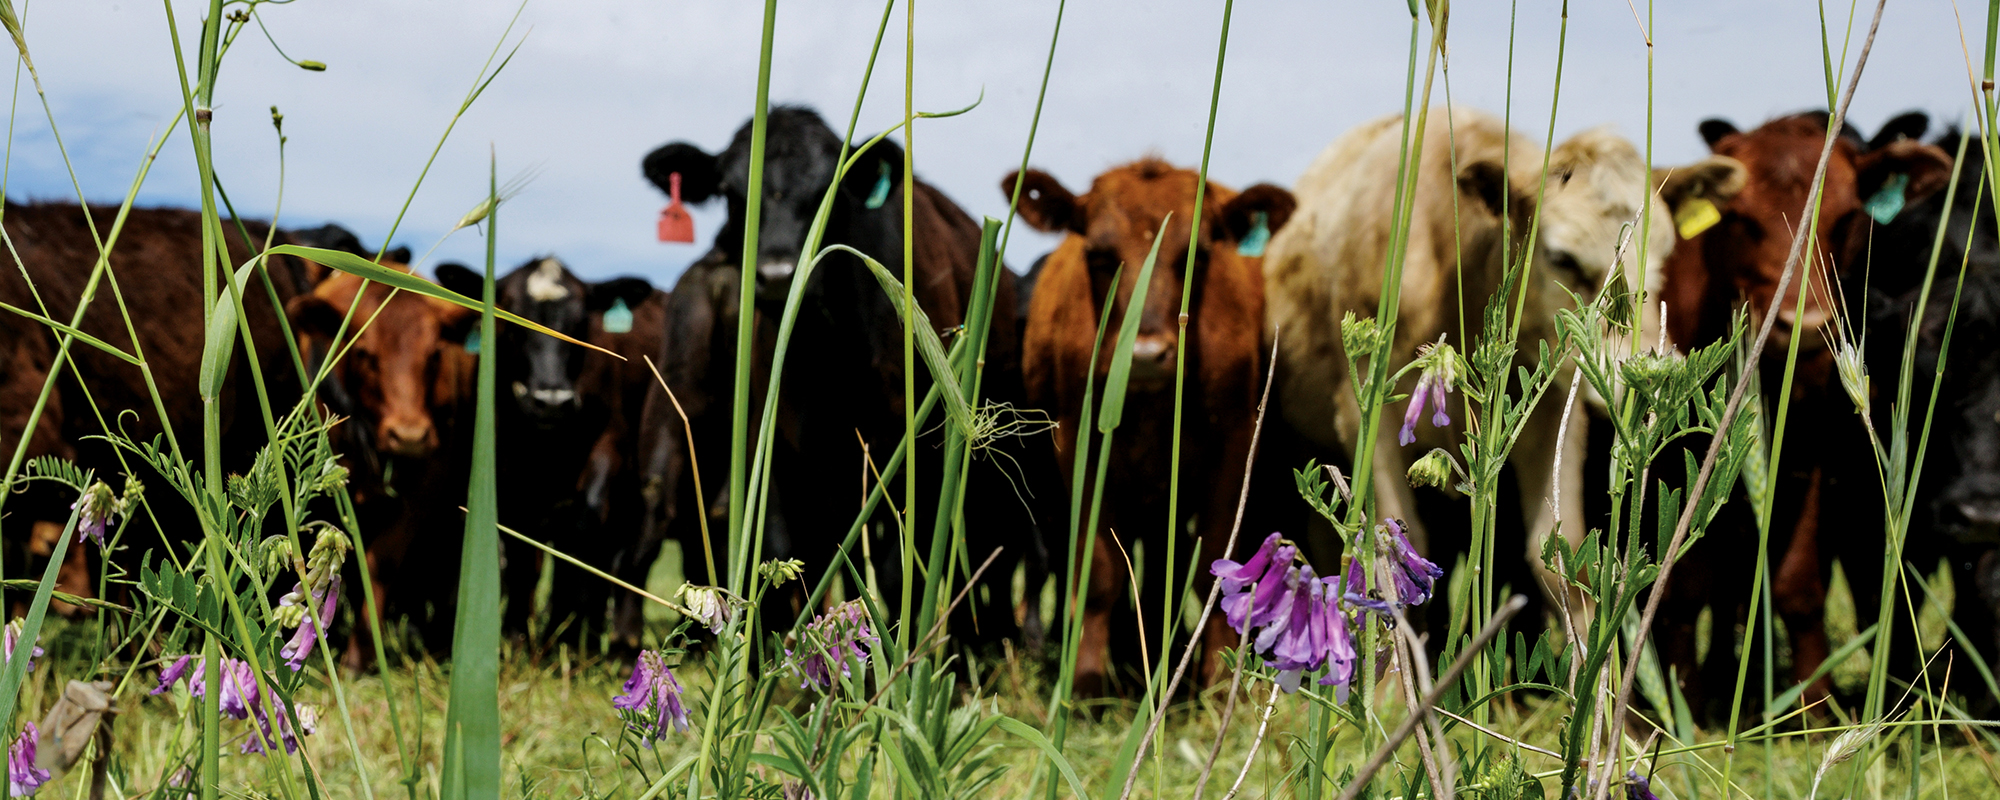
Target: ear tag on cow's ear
(676, 225)
(1695, 216)
(472, 342)
(1888, 201)
(1259, 236)
(618, 318)
(880, 194)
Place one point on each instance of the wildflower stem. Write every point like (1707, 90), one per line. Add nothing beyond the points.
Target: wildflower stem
(1474, 651)
(1263, 727)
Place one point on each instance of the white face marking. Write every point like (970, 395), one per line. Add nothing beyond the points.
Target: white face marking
(545, 284)
(777, 270)
(554, 397)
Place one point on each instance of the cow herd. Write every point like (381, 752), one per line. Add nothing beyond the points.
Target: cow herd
(607, 460)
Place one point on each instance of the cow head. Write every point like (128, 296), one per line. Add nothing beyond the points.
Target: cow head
(801, 157)
(1116, 222)
(399, 369)
(542, 371)
(1748, 248)
(1590, 208)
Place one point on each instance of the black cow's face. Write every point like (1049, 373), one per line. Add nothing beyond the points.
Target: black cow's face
(541, 371)
(801, 159)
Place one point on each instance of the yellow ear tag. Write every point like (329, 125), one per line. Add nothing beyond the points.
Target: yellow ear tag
(1695, 216)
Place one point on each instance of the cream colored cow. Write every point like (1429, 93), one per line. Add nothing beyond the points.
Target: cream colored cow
(1331, 257)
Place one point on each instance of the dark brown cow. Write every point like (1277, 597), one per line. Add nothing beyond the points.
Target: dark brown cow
(156, 263)
(564, 423)
(1113, 225)
(1737, 263)
(405, 392)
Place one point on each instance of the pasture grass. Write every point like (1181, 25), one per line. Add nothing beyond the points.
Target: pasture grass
(560, 738)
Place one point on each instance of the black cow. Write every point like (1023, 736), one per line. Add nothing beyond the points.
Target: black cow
(561, 427)
(844, 372)
(1957, 509)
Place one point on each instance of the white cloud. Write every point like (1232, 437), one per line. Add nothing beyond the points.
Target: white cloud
(595, 86)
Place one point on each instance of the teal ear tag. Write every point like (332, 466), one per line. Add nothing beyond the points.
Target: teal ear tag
(618, 318)
(472, 342)
(1260, 235)
(881, 193)
(1888, 202)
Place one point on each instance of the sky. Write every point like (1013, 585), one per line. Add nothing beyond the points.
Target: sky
(594, 86)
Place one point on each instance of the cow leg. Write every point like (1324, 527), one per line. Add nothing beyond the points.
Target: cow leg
(1799, 593)
(1107, 583)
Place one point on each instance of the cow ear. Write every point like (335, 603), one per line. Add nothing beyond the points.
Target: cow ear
(1239, 215)
(604, 294)
(1713, 130)
(312, 315)
(1909, 125)
(875, 174)
(461, 279)
(1045, 205)
(455, 322)
(701, 173)
(399, 255)
(1715, 179)
(1927, 167)
(1486, 181)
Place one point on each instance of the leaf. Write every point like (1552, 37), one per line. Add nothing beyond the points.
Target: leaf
(1128, 333)
(1034, 737)
(369, 270)
(472, 717)
(79, 335)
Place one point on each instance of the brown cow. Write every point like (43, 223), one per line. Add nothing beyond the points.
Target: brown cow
(404, 392)
(156, 263)
(1737, 263)
(1112, 225)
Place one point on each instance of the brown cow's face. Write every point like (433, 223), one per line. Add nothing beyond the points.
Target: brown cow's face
(397, 373)
(1118, 220)
(1750, 245)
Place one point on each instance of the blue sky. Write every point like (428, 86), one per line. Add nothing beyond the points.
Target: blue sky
(597, 85)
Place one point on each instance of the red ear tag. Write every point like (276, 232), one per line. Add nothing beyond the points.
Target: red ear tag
(675, 223)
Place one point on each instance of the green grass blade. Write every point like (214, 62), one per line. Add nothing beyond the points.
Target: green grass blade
(473, 717)
(363, 268)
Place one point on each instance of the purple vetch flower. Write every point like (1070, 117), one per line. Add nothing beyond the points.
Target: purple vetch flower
(23, 778)
(1264, 575)
(1434, 383)
(1637, 787)
(97, 508)
(833, 641)
(652, 687)
(13, 637)
(301, 645)
(172, 673)
(1416, 577)
(1313, 635)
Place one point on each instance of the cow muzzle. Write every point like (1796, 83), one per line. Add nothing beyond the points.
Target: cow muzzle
(1153, 358)
(414, 439)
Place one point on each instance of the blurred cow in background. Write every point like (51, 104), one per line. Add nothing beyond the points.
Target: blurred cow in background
(1110, 230)
(403, 387)
(156, 265)
(843, 390)
(1735, 265)
(1329, 262)
(564, 428)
